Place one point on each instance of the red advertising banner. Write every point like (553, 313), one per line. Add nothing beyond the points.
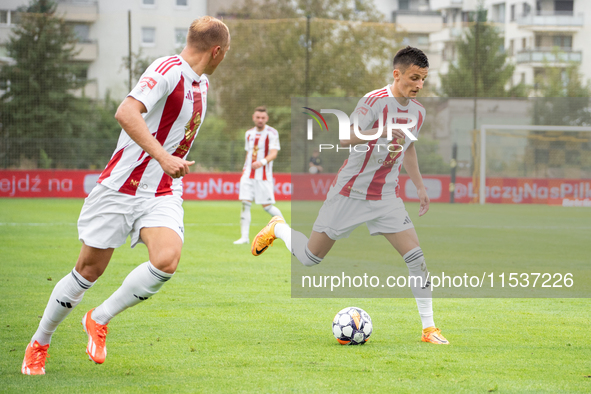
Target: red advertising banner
(225, 186)
(79, 183)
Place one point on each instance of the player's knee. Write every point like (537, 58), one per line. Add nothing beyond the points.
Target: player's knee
(90, 272)
(166, 260)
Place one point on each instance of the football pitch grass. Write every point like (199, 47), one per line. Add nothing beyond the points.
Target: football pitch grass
(226, 322)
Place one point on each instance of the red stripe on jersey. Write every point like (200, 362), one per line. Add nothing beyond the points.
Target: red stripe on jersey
(112, 163)
(164, 187)
(172, 109)
(373, 98)
(170, 66)
(254, 157)
(346, 190)
(416, 102)
(420, 122)
(165, 63)
(133, 181)
(336, 178)
(266, 153)
(374, 191)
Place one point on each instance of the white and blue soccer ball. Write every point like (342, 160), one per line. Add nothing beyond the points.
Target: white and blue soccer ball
(352, 326)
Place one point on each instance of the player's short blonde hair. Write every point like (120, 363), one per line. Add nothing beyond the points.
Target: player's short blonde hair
(207, 32)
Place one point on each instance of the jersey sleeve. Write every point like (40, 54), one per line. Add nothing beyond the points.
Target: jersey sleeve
(274, 140)
(152, 86)
(366, 111)
(421, 120)
(246, 141)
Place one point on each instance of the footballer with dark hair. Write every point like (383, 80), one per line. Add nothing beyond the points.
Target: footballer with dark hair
(366, 189)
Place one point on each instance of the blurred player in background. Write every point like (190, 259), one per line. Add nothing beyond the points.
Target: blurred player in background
(315, 163)
(139, 192)
(256, 184)
(366, 187)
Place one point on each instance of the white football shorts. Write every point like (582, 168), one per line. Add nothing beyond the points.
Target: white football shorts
(261, 192)
(340, 215)
(108, 217)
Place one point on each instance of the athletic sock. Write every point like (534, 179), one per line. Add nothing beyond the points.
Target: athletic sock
(245, 220)
(273, 211)
(299, 248)
(66, 294)
(141, 283)
(283, 232)
(420, 288)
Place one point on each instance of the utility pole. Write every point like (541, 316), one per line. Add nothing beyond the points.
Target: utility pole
(307, 86)
(129, 65)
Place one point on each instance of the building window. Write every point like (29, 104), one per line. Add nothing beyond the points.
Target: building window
(403, 4)
(512, 12)
(564, 7)
(82, 32)
(148, 36)
(9, 17)
(180, 37)
(182, 3)
(524, 43)
(563, 42)
(511, 47)
(526, 9)
(522, 78)
(423, 40)
(499, 13)
(149, 3)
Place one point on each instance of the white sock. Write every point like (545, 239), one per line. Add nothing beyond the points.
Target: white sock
(66, 294)
(283, 232)
(300, 246)
(245, 220)
(141, 283)
(273, 211)
(422, 291)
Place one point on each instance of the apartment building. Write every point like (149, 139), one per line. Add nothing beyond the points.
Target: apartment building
(536, 32)
(158, 28)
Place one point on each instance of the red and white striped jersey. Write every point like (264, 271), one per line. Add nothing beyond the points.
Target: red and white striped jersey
(258, 144)
(176, 100)
(371, 171)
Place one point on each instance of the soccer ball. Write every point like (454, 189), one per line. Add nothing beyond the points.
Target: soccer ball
(352, 326)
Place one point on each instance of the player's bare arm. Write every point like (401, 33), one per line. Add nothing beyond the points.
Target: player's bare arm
(129, 116)
(411, 165)
(269, 158)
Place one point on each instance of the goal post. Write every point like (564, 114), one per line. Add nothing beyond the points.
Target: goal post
(488, 127)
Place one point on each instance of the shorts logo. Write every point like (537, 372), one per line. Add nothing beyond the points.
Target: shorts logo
(146, 85)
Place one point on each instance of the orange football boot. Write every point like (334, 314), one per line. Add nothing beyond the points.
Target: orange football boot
(266, 236)
(433, 335)
(34, 362)
(97, 335)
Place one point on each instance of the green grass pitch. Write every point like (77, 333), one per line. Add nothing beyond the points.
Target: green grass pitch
(226, 322)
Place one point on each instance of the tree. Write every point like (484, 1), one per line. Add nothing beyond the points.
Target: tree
(140, 63)
(38, 109)
(350, 53)
(564, 97)
(482, 69)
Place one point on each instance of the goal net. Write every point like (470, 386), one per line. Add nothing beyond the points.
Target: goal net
(545, 163)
